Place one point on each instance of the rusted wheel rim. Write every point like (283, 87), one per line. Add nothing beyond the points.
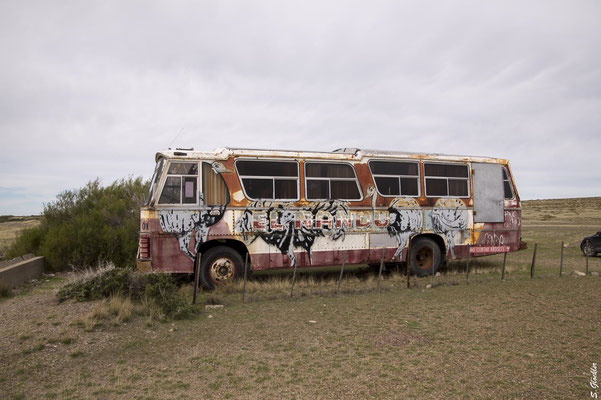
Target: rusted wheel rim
(221, 269)
(424, 258)
(588, 249)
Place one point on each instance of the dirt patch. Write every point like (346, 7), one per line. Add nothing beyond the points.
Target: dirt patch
(397, 338)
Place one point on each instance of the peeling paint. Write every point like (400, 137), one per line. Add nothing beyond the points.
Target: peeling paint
(185, 224)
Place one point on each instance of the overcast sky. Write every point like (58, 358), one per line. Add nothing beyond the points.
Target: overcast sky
(94, 89)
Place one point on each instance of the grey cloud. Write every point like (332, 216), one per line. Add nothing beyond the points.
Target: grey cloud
(95, 88)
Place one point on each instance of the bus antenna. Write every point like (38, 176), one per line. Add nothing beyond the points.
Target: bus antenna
(176, 136)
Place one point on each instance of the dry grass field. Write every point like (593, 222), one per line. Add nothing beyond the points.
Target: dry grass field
(464, 338)
(10, 226)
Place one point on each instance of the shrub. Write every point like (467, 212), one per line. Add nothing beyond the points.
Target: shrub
(158, 293)
(162, 291)
(98, 284)
(82, 227)
(5, 291)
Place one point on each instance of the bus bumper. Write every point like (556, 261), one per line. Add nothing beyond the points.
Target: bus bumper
(143, 265)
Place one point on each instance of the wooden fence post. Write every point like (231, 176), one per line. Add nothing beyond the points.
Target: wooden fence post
(293, 281)
(196, 276)
(533, 261)
(408, 262)
(341, 271)
(504, 263)
(586, 270)
(245, 272)
(561, 260)
(467, 265)
(381, 267)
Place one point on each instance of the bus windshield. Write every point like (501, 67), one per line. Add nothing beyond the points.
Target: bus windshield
(154, 181)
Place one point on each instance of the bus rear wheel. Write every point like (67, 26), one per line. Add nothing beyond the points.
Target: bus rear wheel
(219, 265)
(424, 256)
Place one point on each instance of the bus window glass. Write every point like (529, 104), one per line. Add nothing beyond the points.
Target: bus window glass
(267, 168)
(344, 190)
(388, 186)
(181, 184)
(436, 187)
(395, 178)
(277, 180)
(189, 195)
(446, 180)
(183, 169)
(409, 187)
(317, 189)
(286, 189)
(507, 186)
(171, 190)
(457, 188)
(325, 181)
(258, 188)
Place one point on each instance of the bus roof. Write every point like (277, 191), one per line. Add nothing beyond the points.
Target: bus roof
(347, 154)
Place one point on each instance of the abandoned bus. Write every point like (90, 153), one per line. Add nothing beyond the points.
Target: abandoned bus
(300, 209)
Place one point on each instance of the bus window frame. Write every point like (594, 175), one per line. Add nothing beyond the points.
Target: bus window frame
(469, 179)
(155, 182)
(163, 180)
(240, 177)
(510, 180)
(356, 179)
(418, 176)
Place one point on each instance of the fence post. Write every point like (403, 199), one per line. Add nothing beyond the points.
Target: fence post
(504, 263)
(408, 263)
(245, 271)
(586, 270)
(381, 266)
(533, 261)
(293, 280)
(341, 271)
(561, 260)
(196, 276)
(467, 265)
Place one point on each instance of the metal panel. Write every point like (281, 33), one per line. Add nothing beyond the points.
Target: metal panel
(488, 192)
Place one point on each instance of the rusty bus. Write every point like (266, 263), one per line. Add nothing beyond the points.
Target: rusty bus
(299, 208)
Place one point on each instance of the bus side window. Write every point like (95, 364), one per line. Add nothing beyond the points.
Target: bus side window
(446, 180)
(328, 180)
(507, 186)
(214, 189)
(181, 184)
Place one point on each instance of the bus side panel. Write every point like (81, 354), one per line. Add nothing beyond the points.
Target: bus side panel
(167, 255)
(493, 238)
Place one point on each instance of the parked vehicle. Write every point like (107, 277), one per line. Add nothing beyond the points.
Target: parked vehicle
(300, 209)
(591, 245)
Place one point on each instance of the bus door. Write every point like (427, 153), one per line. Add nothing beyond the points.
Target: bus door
(488, 192)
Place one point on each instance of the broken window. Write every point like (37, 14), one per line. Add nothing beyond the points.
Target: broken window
(325, 181)
(277, 180)
(395, 178)
(446, 180)
(181, 184)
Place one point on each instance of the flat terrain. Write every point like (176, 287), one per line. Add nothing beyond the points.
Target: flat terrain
(477, 338)
(10, 226)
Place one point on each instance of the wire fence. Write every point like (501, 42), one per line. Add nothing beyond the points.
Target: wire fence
(534, 263)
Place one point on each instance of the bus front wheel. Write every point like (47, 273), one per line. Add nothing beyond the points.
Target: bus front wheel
(219, 265)
(424, 256)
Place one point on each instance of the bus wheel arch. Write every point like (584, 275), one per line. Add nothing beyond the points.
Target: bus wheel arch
(426, 254)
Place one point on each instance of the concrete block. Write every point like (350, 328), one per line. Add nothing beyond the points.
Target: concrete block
(18, 273)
